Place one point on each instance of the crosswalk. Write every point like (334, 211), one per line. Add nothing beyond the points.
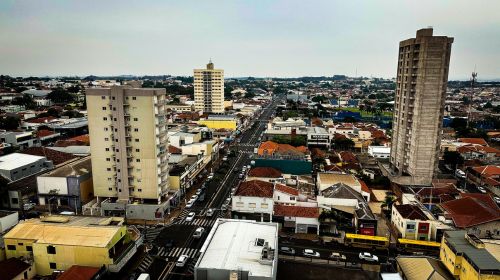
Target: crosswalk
(246, 145)
(178, 251)
(198, 222)
(146, 262)
(150, 234)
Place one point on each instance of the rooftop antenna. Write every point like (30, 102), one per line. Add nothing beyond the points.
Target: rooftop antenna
(473, 81)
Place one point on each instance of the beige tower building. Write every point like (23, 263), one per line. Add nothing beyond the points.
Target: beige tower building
(129, 145)
(419, 105)
(209, 89)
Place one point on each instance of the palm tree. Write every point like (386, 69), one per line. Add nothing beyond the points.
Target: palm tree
(388, 202)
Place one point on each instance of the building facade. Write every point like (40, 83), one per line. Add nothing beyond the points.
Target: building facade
(419, 105)
(209, 89)
(129, 148)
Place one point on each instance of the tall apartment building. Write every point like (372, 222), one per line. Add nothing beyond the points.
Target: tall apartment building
(128, 139)
(209, 89)
(419, 105)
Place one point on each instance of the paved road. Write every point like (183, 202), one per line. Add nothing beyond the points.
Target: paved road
(160, 261)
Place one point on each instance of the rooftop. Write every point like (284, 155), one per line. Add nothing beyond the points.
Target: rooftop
(231, 245)
(287, 189)
(328, 179)
(56, 157)
(480, 257)
(12, 267)
(78, 272)
(68, 230)
(16, 160)
(410, 211)
(472, 210)
(255, 188)
(266, 172)
(74, 169)
(296, 211)
(479, 141)
(416, 268)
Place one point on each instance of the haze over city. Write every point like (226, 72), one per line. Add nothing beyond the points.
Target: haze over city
(247, 38)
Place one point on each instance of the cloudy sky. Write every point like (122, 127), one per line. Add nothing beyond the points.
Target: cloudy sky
(262, 38)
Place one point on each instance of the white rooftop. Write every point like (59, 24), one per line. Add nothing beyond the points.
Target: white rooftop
(231, 246)
(16, 160)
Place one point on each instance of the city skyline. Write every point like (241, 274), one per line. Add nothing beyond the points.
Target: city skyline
(276, 39)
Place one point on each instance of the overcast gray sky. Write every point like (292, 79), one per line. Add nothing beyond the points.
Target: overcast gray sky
(246, 38)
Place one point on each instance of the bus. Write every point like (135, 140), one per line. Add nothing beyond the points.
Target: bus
(366, 241)
(418, 246)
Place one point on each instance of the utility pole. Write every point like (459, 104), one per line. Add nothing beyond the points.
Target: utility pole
(472, 84)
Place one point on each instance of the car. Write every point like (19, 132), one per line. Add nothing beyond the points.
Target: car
(169, 243)
(368, 257)
(243, 169)
(182, 260)
(194, 197)
(287, 251)
(190, 203)
(198, 232)
(337, 256)
(233, 190)
(190, 216)
(198, 191)
(481, 189)
(224, 158)
(210, 176)
(224, 207)
(210, 212)
(241, 176)
(310, 253)
(29, 206)
(497, 199)
(201, 198)
(227, 201)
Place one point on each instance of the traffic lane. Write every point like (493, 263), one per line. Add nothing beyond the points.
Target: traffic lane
(352, 254)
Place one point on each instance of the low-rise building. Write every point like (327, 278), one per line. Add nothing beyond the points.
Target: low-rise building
(21, 139)
(16, 269)
(69, 185)
(8, 219)
(253, 200)
(59, 242)
(411, 222)
(466, 257)
(223, 255)
(16, 166)
(299, 219)
(417, 268)
(379, 151)
(220, 122)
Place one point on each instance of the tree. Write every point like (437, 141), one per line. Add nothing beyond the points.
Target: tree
(388, 202)
(25, 101)
(452, 158)
(9, 123)
(72, 114)
(488, 105)
(458, 123)
(298, 140)
(343, 143)
(60, 95)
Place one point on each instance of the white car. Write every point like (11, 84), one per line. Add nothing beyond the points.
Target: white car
(210, 176)
(224, 158)
(190, 203)
(198, 191)
(368, 257)
(310, 253)
(198, 232)
(190, 217)
(181, 261)
(497, 199)
(481, 189)
(194, 197)
(210, 212)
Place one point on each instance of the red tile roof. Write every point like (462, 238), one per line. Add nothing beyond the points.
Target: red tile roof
(479, 141)
(348, 157)
(412, 212)
(41, 120)
(82, 138)
(44, 132)
(487, 170)
(174, 150)
(55, 156)
(481, 196)
(255, 188)
(296, 211)
(364, 187)
(77, 272)
(287, 189)
(471, 211)
(266, 172)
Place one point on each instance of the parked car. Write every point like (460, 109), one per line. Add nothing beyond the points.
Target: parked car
(224, 207)
(190, 217)
(460, 174)
(227, 201)
(497, 199)
(190, 203)
(310, 253)
(210, 176)
(198, 191)
(194, 197)
(481, 189)
(368, 257)
(287, 250)
(210, 212)
(241, 176)
(29, 206)
(181, 261)
(224, 158)
(198, 232)
(337, 256)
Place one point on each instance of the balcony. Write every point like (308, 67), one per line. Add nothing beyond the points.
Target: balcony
(125, 253)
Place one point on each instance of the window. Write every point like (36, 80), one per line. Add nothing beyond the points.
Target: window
(109, 179)
(11, 247)
(410, 226)
(29, 248)
(139, 190)
(110, 189)
(53, 265)
(105, 129)
(138, 160)
(137, 150)
(14, 200)
(105, 119)
(51, 250)
(137, 140)
(108, 159)
(252, 205)
(114, 119)
(114, 108)
(139, 180)
(292, 197)
(136, 129)
(136, 119)
(134, 98)
(103, 97)
(239, 204)
(108, 169)
(106, 139)
(104, 108)
(264, 205)
(107, 149)
(113, 98)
